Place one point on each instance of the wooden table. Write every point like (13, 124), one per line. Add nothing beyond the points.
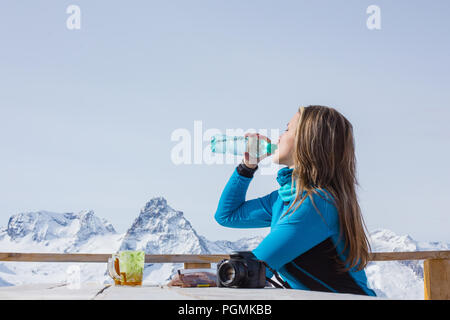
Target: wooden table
(96, 291)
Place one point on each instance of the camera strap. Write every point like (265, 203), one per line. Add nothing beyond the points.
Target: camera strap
(284, 284)
(274, 283)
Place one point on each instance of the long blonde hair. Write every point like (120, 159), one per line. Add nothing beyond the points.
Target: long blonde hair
(324, 158)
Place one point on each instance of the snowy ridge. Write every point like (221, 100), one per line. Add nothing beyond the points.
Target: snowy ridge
(45, 231)
(398, 279)
(160, 229)
(42, 226)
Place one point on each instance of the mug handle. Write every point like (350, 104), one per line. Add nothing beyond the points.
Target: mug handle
(111, 268)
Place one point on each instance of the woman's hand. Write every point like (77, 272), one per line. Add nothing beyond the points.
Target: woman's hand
(250, 161)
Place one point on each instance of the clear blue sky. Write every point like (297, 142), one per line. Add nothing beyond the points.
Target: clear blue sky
(86, 115)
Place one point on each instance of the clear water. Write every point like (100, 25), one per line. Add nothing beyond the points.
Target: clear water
(237, 145)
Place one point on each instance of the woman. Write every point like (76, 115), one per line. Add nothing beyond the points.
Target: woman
(317, 239)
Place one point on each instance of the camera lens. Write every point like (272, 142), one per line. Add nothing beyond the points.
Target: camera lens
(227, 273)
(232, 273)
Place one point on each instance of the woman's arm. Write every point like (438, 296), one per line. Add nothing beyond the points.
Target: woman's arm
(234, 212)
(295, 234)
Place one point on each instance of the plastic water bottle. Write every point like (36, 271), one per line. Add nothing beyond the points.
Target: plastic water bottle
(237, 145)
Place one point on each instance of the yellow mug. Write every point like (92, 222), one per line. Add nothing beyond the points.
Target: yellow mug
(127, 267)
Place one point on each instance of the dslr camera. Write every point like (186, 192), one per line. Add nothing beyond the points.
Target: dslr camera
(242, 270)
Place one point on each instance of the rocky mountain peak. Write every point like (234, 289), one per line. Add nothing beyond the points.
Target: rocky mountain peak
(161, 229)
(155, 206)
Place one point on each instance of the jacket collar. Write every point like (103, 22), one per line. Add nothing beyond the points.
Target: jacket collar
(284, 178)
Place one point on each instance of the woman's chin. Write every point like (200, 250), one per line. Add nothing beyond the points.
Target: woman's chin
(275, 159)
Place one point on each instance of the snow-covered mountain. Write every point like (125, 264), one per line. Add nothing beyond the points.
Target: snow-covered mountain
(44, 226)
(160, 229)
(44, 231)
(398, 279)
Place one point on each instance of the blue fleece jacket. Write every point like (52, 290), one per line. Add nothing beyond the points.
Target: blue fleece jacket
(299, 244)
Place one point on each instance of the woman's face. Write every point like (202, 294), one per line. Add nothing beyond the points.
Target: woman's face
(286, 143)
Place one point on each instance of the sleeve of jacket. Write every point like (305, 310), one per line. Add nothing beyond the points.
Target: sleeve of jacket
(293, 235)
(234, 212)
